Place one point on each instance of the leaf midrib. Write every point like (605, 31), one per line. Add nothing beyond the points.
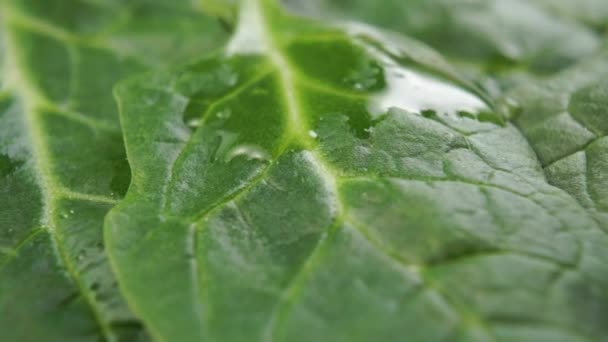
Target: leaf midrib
(298, 129)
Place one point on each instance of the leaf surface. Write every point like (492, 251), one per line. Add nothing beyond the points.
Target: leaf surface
(333, 183)
(565, 120)
(62, 159)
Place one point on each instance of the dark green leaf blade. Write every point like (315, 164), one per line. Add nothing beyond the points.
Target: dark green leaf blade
(62, 159)
(328, 184)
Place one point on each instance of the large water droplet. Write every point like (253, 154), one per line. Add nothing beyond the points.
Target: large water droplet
(416, 92)
(226, 139)
(411, 89)
(249, 151)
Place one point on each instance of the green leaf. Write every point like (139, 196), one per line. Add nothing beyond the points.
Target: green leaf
(537, 36)
(62, 159)
(565, 120)
(334, 183)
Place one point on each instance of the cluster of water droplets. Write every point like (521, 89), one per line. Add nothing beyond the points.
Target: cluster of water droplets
(67, 214)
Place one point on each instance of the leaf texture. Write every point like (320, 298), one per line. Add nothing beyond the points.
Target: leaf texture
(564, 118)
(299, 186)
(62, 159)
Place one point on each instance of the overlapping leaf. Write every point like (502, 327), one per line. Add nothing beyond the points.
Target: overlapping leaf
(62, 160)
(513, 39)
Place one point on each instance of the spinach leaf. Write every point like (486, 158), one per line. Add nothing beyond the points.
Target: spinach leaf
(62, 160)
(317, 182)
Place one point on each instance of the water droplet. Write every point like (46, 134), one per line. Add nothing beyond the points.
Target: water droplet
(369, 76)
(225, 139)
(71, 211)
(224, 113)
(64, 215)
(312, 134)
(249, 151)
(194, 123)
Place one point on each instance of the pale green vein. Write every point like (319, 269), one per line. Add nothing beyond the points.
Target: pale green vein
(294, 288)
(429, 179)
(69, 194)
(35, 25)
(329, 37)
(14, 252)
(205, 116)
(201, 293)
(234, 93)
(41, 27)
(79, 118)
(474, 322)
(494, 251)
(577, 150)
(318, 86)
(297, 125)
(298, 128)
(197, 277)
(587, 175)
(74, 57)
(18, 80)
